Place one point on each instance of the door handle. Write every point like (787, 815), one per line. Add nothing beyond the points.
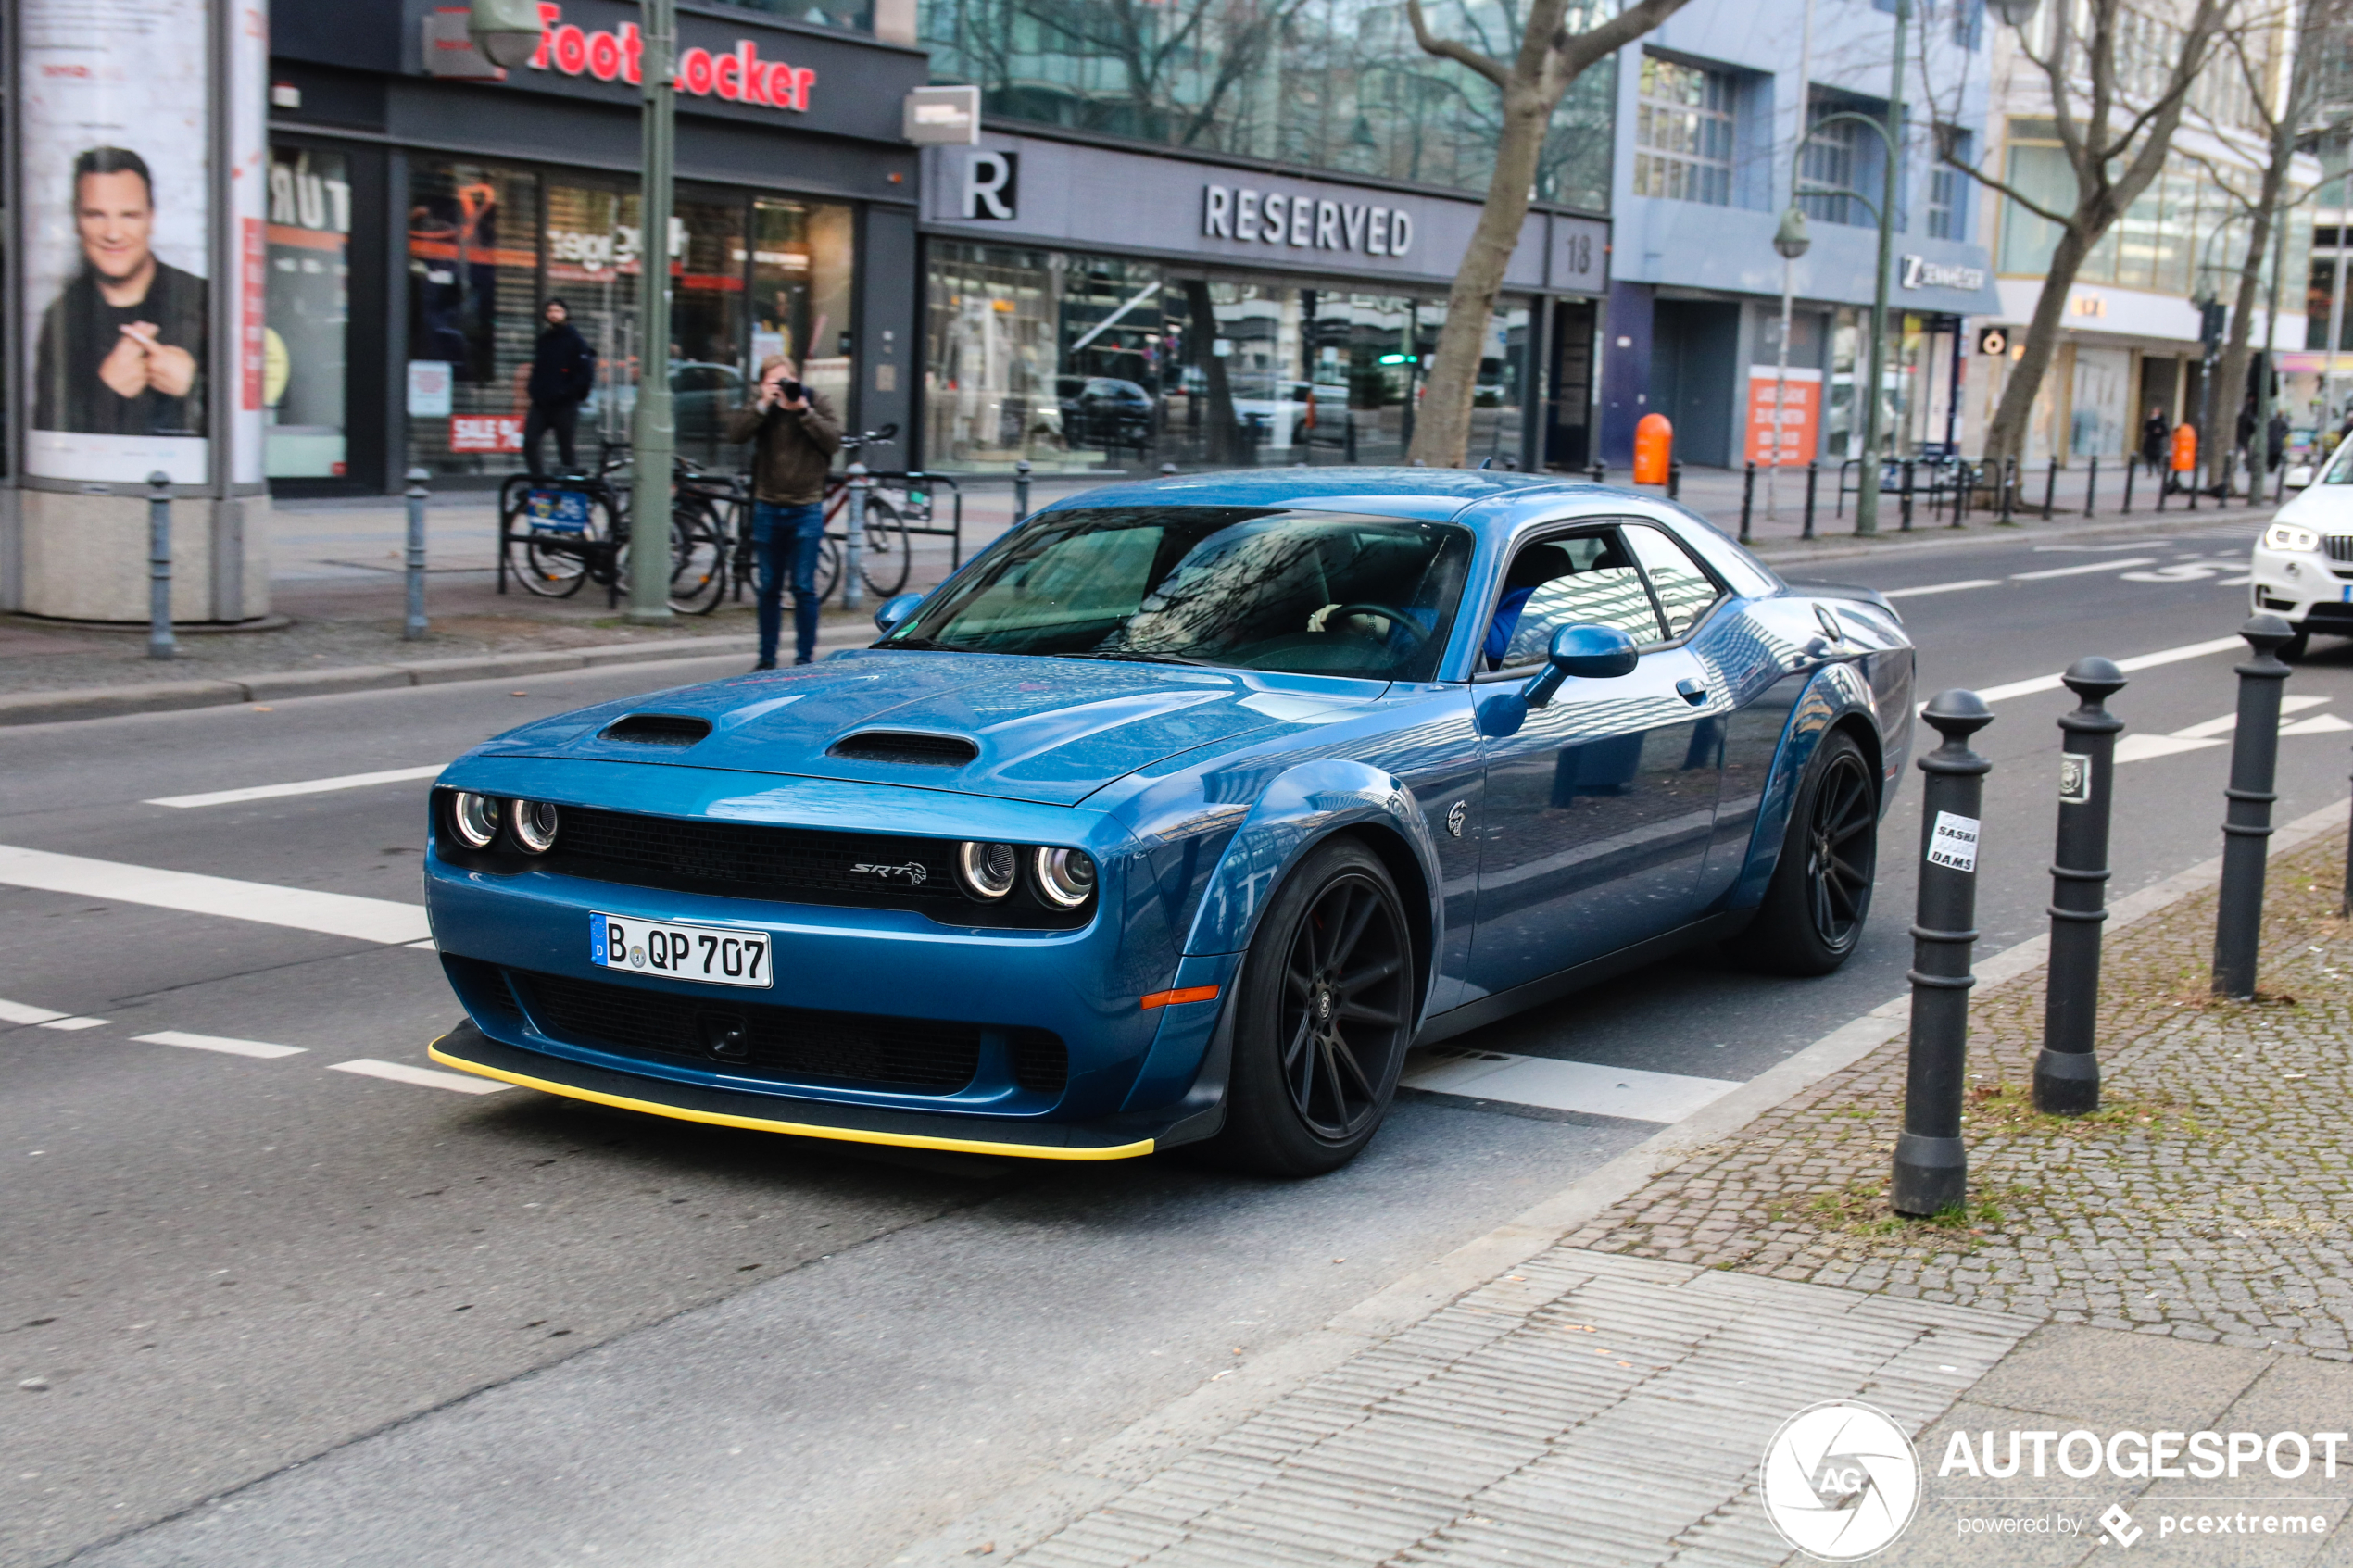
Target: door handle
(1693, 691)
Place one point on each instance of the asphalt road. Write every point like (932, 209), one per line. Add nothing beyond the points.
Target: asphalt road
(312, 1305)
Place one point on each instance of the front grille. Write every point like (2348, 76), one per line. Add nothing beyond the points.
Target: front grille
(752, 859)
(2340, 546)
(781, 1044)
(482, 987)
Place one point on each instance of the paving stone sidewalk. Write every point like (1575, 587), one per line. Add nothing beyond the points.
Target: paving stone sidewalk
(2179, 1260)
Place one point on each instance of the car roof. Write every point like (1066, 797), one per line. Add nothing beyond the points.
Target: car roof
(1436, 494)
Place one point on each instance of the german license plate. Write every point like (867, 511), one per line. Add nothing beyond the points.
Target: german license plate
(717, 955)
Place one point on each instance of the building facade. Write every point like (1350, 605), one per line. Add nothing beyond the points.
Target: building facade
(1210, 233)
(423, 206)
(1709, 110)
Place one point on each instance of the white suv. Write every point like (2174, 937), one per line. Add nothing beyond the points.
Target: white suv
(2303, 566)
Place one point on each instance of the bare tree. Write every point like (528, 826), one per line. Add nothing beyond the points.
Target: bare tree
(2248, 49)
(1550, 56)
(2117, 95)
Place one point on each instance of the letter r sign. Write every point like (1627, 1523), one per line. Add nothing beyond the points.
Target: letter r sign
(992, 185)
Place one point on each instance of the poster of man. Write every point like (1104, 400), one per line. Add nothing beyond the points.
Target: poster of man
(124, 369)
(122, 349)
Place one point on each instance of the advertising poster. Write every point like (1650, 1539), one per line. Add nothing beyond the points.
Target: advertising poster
(1783, 435)
(115, 132)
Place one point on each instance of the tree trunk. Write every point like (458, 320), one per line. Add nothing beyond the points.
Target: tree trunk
(2230, 380)
(1224, 430)
(1441, 430)
(2006, 438)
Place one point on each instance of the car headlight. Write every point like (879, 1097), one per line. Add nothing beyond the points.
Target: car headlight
(533, 825)
(986, 870)
(2288, 536)
(474, 819)
(1065, 877)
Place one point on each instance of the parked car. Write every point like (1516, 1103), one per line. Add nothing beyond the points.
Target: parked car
(2302, 568)
(1104, 411)
(1175, 817)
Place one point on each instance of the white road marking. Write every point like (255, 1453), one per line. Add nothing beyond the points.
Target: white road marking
(2209, 732)
(1939, 588)
(2140, 748)
(2079, 571)
(2138, 661)
(427, 945)
(218, 1042)
(1629, 1092)
(2318, 724)
(71, 1024)
(332, 914)
(21, 1013)
(306, 786)
(424, 1077)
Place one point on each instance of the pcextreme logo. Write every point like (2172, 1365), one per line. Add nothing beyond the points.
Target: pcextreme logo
(1841, 1481)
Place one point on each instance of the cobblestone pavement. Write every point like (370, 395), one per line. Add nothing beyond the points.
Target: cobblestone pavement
(2208, 1200)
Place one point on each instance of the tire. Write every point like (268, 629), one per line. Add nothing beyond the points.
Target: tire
(1812, 918)
(2295, 647)
(1320, 1035)
(698, 561)
(883, 560)
(828, 572)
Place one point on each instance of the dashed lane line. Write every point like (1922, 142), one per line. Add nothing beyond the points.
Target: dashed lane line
(1555, 1085)
(1939, 588)
(424, 1077)
(2080, 571)
(330, 914)
(303, 787)
(44, 1018)
(221, 1043)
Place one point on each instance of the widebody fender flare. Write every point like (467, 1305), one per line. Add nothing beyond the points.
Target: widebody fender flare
(1834, 694)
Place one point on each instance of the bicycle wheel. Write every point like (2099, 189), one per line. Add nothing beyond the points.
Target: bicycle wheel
(698, 559)
(885, 560)
(828, 568)
(556, 546)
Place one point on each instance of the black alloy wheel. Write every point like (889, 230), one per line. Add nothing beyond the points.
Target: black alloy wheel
(1842, 850)
(1326, 1010)
(1814, 909)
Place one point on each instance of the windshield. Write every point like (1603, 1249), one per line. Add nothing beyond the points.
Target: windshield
(2341, 471)
(1304, 592)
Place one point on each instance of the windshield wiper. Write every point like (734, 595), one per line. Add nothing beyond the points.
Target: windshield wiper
(1140, 655)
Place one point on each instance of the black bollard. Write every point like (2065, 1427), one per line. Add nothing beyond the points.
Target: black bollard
(2007, 479)
(1932, 1164)
(1674, 479)
(2254, 754)
(1812, 473)
(1021, 489)
(1748, 499)
(2067, 1075)
(1599, 474)
(2091, 484)
(2131, 467)
(2164, 483)
(162, 644)
(1906, 525)
(414, 627)
(2050, 490)
(2279, 482)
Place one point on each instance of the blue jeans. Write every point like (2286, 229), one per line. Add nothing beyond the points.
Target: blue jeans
(786, 539)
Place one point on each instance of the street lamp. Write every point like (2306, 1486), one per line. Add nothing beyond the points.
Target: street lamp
(507, 32)
(1791, 238)
(2015, 13)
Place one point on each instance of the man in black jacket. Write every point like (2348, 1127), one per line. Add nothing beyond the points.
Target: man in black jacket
(563, 372)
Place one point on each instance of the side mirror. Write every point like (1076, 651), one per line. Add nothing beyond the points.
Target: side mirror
(1589, 653)
(893, 610)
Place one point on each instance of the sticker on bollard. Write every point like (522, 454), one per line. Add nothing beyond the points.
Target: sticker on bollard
(2075, 779)
(1953, 843)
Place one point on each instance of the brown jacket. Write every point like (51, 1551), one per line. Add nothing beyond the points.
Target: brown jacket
(793, 450)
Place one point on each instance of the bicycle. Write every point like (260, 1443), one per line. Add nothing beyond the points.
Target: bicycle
(886, 557)
(577, 531)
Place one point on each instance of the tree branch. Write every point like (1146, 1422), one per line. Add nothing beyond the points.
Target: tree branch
(1447, 49)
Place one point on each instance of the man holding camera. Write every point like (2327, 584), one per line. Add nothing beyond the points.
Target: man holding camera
(796, 433)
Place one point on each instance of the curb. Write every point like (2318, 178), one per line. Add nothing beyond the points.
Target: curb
(164, 697)
(1076, 1485)
(1841, 547)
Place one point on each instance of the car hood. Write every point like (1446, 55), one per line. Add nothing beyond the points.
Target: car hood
(1048, 729)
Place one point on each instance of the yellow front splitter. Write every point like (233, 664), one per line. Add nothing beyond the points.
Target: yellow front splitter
(797, 1129)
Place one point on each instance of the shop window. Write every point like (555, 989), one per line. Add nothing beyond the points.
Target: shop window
(308, 238)
(802, 266)
(474, 313)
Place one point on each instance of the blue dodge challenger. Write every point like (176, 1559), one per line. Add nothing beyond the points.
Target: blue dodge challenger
(1178, 816)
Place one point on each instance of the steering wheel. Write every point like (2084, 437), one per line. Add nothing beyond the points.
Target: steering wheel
(1394, 617)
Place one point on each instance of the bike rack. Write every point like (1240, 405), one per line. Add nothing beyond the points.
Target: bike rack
(954, 533)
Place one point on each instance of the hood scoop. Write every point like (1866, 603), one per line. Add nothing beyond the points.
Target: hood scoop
(905, 745)
(657, 729)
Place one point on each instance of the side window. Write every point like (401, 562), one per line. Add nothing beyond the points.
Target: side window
(1587, 579)
(1685, 590)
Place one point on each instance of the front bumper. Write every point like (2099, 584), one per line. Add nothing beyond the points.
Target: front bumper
(1123, 1136)
(2305, 588)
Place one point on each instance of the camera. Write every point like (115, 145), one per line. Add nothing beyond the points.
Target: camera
(791, 391)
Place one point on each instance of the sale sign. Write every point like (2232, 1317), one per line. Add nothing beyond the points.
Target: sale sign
(485, 432)
(1784, 419)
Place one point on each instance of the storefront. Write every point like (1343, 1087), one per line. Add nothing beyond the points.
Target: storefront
(1092, 307)
(423, 208)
